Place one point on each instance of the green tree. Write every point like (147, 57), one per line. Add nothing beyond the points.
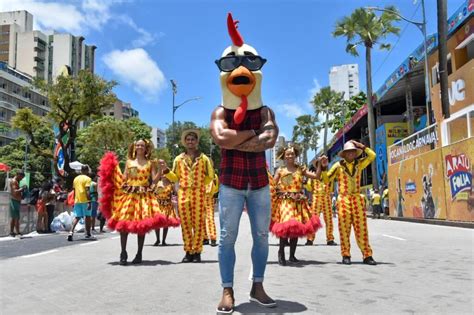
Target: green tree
(327, 103)
(21, 155)
(163, 154)
(139, 129)
(102, 135)
(305, 133)
(350, 107)
(364, 27)
(72, 100)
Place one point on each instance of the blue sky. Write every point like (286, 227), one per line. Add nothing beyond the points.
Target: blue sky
(143, 44)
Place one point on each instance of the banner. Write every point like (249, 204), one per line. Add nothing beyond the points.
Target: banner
(422, 141)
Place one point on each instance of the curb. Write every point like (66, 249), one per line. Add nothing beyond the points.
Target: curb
(467, 225)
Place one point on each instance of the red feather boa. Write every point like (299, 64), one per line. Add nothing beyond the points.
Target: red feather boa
(107, 167)
(293, 228)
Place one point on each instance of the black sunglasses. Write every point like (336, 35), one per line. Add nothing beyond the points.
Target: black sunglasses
(230, 63)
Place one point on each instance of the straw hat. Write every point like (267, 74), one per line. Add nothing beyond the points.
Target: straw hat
(187, 132)
(349, 146)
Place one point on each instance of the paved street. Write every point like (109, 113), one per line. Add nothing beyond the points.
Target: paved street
(422, 269)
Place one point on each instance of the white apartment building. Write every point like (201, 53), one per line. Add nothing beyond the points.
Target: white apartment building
(38, 54)
(158, 137)
(345, 79)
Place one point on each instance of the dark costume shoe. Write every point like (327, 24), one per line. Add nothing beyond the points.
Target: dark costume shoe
(157, 243)
(205, 242)
(226, 305)
(346, 260)
(281, 258)
(137, 259)
(213, 243)
(293, 259)
(370, 261)
(331, 243)
(123, 258)
(309, 243)
(197, 258)
(187, 258)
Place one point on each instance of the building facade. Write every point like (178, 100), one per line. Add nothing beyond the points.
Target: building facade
(41, 55)
(437, 177)
(158, 137)
(17, 92)
(121, 110)
(345, 79)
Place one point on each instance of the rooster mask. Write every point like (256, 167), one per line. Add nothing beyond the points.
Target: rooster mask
(240, 75)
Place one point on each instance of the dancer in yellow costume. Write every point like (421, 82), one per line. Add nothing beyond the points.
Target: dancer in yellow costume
(293, 217)
(128, 201)
(210, 232)
(164, 192)
(194, 172)
(350, 202)
(321, 203)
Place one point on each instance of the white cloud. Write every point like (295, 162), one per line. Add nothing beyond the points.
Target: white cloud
(290, 110)
(311, 92)
(77, 17)
(145, 37)
(136, 68)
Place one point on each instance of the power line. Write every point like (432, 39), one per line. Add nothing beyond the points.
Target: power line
(398, 40)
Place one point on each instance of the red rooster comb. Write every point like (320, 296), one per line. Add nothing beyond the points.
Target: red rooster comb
(233, 32)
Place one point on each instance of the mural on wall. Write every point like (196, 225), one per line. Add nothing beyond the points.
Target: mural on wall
(459, 174)
(418, 188)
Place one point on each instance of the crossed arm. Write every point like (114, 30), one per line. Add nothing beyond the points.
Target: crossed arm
(244, 140)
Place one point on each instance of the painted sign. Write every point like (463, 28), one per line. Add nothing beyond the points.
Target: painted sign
(386, 135)
(410, 187)
(458, 171)
(415, 144)
(458, 180)
(59, 155)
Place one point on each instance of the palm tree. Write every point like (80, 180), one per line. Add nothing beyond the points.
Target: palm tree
(328, 103)
(364, 27)
(305, 134)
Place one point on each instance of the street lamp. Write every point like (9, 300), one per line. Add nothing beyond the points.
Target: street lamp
(175, 107)
(422, 27)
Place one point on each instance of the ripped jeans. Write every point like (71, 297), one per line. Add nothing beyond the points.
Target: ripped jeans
(231, 205)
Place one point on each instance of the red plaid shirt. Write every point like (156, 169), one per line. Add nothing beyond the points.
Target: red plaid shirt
(242, 170)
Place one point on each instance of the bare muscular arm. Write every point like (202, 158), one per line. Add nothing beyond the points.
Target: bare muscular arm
(223, 136)
(267, 135)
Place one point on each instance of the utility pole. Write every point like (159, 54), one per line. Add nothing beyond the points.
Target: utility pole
(443, 55)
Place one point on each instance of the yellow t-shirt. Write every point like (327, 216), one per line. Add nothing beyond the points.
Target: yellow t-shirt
(375, 199)
(81, 185)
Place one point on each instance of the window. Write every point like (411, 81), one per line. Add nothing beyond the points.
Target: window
(435, 75)
(459, 127)
(471, 123)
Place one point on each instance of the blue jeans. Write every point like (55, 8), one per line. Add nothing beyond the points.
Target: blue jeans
(231, 205)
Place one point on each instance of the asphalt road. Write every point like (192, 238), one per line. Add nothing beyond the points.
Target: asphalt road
(423, 269)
